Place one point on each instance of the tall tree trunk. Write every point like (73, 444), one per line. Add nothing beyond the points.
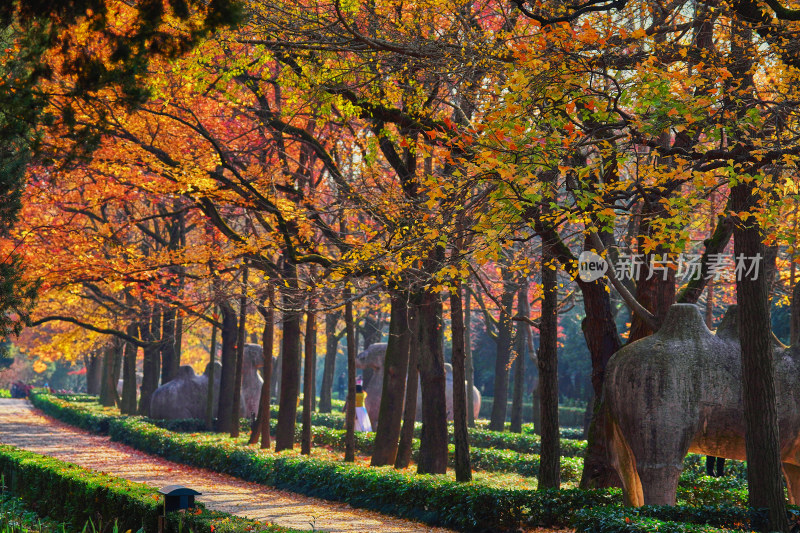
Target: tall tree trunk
(395, 370)
(241, 339)
(152, 361)
(404, 448)
(519, 361)
(762, 443)
(547, 361)
(212, 356)
(794, 335)
(290, 366)
(434, 439)
(308, 377)
(504, 330)
(94, 373)
(226, 417)
(108, 384)
(471, 414)
(350, 411)
(128, 404)
(261, 427)
(329, 368)
(169, 360)
(460, 435)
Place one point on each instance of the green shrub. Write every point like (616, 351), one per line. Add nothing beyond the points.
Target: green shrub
(16, 517)
(432, 499)
(437, 500)
(630, 520)
(567, 416)
(75, 495)
(5, 393)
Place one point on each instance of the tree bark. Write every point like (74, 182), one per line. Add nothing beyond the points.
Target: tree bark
(497, 421)
(152, 361)
(460, 435)
(261, 427)
(794, 334)
(94, 373)
(108, 384)
(434, 439)
(169, 360)
(128, 404)
(547, 361)
(241, 338)
(471, 414)
(519, 361)
(395, 370)
(290, 366)
(602, 339)
(329, 368)
(227, 378)
(212, 356)
(310, 346)
(764, 480)
(404, 448)
(350, 410)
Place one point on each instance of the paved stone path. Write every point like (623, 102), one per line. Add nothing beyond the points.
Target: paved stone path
(24, 427)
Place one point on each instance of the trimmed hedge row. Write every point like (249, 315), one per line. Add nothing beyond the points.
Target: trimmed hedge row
(630, 520)
(489, 459)
(69, 493)
(567, 416)
(432, 499)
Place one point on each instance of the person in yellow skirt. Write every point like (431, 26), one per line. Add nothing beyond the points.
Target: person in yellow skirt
(362, 418)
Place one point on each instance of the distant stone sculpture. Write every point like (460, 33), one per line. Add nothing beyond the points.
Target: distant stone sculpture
(680, 390)
(185, 396)
(372, 360)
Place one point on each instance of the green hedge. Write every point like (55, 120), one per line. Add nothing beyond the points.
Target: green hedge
(5, 393)
(567, 416)
(630, 520)
(69, 493)
(437, 500)
(431, 499)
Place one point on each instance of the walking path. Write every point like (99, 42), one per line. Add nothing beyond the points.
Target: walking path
(24, 427)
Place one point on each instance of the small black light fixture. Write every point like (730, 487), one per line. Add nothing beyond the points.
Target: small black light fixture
(177, 497)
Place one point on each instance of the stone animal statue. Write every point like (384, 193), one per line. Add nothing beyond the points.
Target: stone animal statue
(680, 390)
(371, 361)
(185, 396)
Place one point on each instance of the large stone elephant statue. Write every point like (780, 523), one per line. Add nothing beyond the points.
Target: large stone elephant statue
(185, 396)
(680, 390)
(371, 361)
